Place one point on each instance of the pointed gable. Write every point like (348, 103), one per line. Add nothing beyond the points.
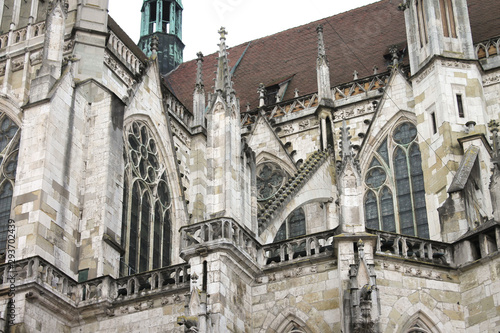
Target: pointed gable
(264, 141)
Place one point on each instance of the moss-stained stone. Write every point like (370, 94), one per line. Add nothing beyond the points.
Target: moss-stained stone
(454, 315)
(468, 281)
(313, 297)
(394, 315)
(332, 293)
(327, 305)
(51, 212)
(445, 296)
(473, 88)
(420, 98)
(427, 300)
(414, 298)
(460, 74)
(45, 245)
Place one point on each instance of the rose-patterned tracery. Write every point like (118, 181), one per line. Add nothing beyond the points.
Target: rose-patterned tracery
(270, 178)
(146, 213)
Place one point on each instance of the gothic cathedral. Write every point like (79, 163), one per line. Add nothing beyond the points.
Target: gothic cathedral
(341, 176)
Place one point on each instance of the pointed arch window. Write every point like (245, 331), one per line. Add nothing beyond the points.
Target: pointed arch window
(448, 18)
(395, 198)
(9, 149)
(293, 226)
(421, 22)
(146, 222)
(270, 178)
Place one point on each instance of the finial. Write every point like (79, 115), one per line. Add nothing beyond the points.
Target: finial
(403, 5)
(154, 45)
(346, 140)
(393, 50)
(494, 127)
(321, 44)
(199, 74)
(222, 32)
(375, 70)
(262, 94)
(296, 93)
(223, 83)
(355, 74)
(248, 106)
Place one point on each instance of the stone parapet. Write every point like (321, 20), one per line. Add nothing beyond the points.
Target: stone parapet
(414, 248)
(36, 271)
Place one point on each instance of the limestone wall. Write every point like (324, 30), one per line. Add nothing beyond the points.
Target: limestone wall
(480, 295)
(408, 291)
(307, 294)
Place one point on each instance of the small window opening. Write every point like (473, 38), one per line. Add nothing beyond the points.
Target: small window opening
(152, 17)
(448, 18)
(205, 277)
(422, 24)
(460, 106)
(271, 93)
(165, 19)
(434, 124)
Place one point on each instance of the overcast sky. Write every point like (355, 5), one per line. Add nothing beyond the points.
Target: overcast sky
(243, 19)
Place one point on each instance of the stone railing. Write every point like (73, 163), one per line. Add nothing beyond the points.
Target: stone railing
(177, 109)
(488, 48)
(305, 247)
(21, 35)
(201, 236)
(38, 271)
(283, 108)
(371, 83)
(168, 278)
(408, 247)
(126, 55)
(216, 231)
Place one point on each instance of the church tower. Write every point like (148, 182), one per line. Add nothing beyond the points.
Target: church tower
(449, 103)
(163, 19)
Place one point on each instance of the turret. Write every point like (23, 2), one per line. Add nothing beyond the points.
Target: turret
(163, 19)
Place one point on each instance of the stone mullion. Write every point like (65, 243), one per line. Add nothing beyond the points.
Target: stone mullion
(415, 230)
(127, 223)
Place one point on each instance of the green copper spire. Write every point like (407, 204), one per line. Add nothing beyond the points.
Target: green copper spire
(163, 19)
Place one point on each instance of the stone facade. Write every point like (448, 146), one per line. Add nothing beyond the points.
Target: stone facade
(367, 206)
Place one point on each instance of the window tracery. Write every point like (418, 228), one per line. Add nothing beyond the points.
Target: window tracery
(9, 148)
(395, 199)
(146, 214)
(293, 226)
(270, 178)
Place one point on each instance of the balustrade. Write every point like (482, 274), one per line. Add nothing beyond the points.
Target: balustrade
(37, 270)
(310, 246)
(488, 48)
(409, 247)
(21, 35)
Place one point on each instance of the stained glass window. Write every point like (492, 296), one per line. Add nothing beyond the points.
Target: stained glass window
(293, 226)
(270, 178)
(9, 148)
(146, 221)
(395, 200)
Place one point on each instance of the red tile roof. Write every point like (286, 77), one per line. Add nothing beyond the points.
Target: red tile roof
(354, 40)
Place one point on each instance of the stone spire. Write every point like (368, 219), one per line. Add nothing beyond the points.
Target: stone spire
(346, 146)
(350, 186)
(53, 47)
(223, 84)
(199, 94)
(323, 70)
(262, 95)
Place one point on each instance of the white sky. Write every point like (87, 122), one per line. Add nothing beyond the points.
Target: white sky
(244, 19)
